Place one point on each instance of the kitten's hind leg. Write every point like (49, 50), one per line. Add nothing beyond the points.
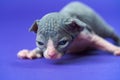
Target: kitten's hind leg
(101, 44)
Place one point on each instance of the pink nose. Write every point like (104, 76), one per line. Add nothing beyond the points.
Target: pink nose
(52, 54)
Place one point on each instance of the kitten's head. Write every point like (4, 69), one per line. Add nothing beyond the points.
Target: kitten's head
(55, 32)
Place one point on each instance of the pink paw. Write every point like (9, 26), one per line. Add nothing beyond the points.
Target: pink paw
(117, 52)
(26, 54)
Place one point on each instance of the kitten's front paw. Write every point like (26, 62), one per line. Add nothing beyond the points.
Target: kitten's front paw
(27, 54)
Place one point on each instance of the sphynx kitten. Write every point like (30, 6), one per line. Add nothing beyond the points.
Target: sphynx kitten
(75, 28)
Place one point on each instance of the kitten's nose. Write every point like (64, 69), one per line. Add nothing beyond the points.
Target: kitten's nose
(52, 53)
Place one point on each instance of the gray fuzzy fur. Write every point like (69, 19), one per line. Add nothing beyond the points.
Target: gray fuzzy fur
(87, 15)
(70, 21)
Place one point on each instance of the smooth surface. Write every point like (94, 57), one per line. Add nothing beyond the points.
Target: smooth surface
(16, 16)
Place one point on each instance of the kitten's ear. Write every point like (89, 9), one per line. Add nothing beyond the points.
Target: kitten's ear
(34, 26)
(75, 26)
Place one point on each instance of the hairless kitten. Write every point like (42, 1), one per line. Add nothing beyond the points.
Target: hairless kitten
(73, 29)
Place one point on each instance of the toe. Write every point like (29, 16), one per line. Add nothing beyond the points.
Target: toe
(31, 55)
(23, 53)
(117, 52)
(38, 55)
(34, 55)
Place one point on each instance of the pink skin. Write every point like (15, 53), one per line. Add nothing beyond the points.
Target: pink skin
(82, 42)
(97, 42)
(104, 45)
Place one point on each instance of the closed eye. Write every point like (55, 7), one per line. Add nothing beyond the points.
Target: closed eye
(40, 43)
(63, 42)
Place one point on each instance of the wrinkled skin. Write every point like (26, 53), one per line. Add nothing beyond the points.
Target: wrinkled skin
(70, 30)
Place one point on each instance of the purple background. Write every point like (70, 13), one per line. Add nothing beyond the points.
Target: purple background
(16, 16)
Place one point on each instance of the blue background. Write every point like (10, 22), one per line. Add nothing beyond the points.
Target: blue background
(16, 16)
